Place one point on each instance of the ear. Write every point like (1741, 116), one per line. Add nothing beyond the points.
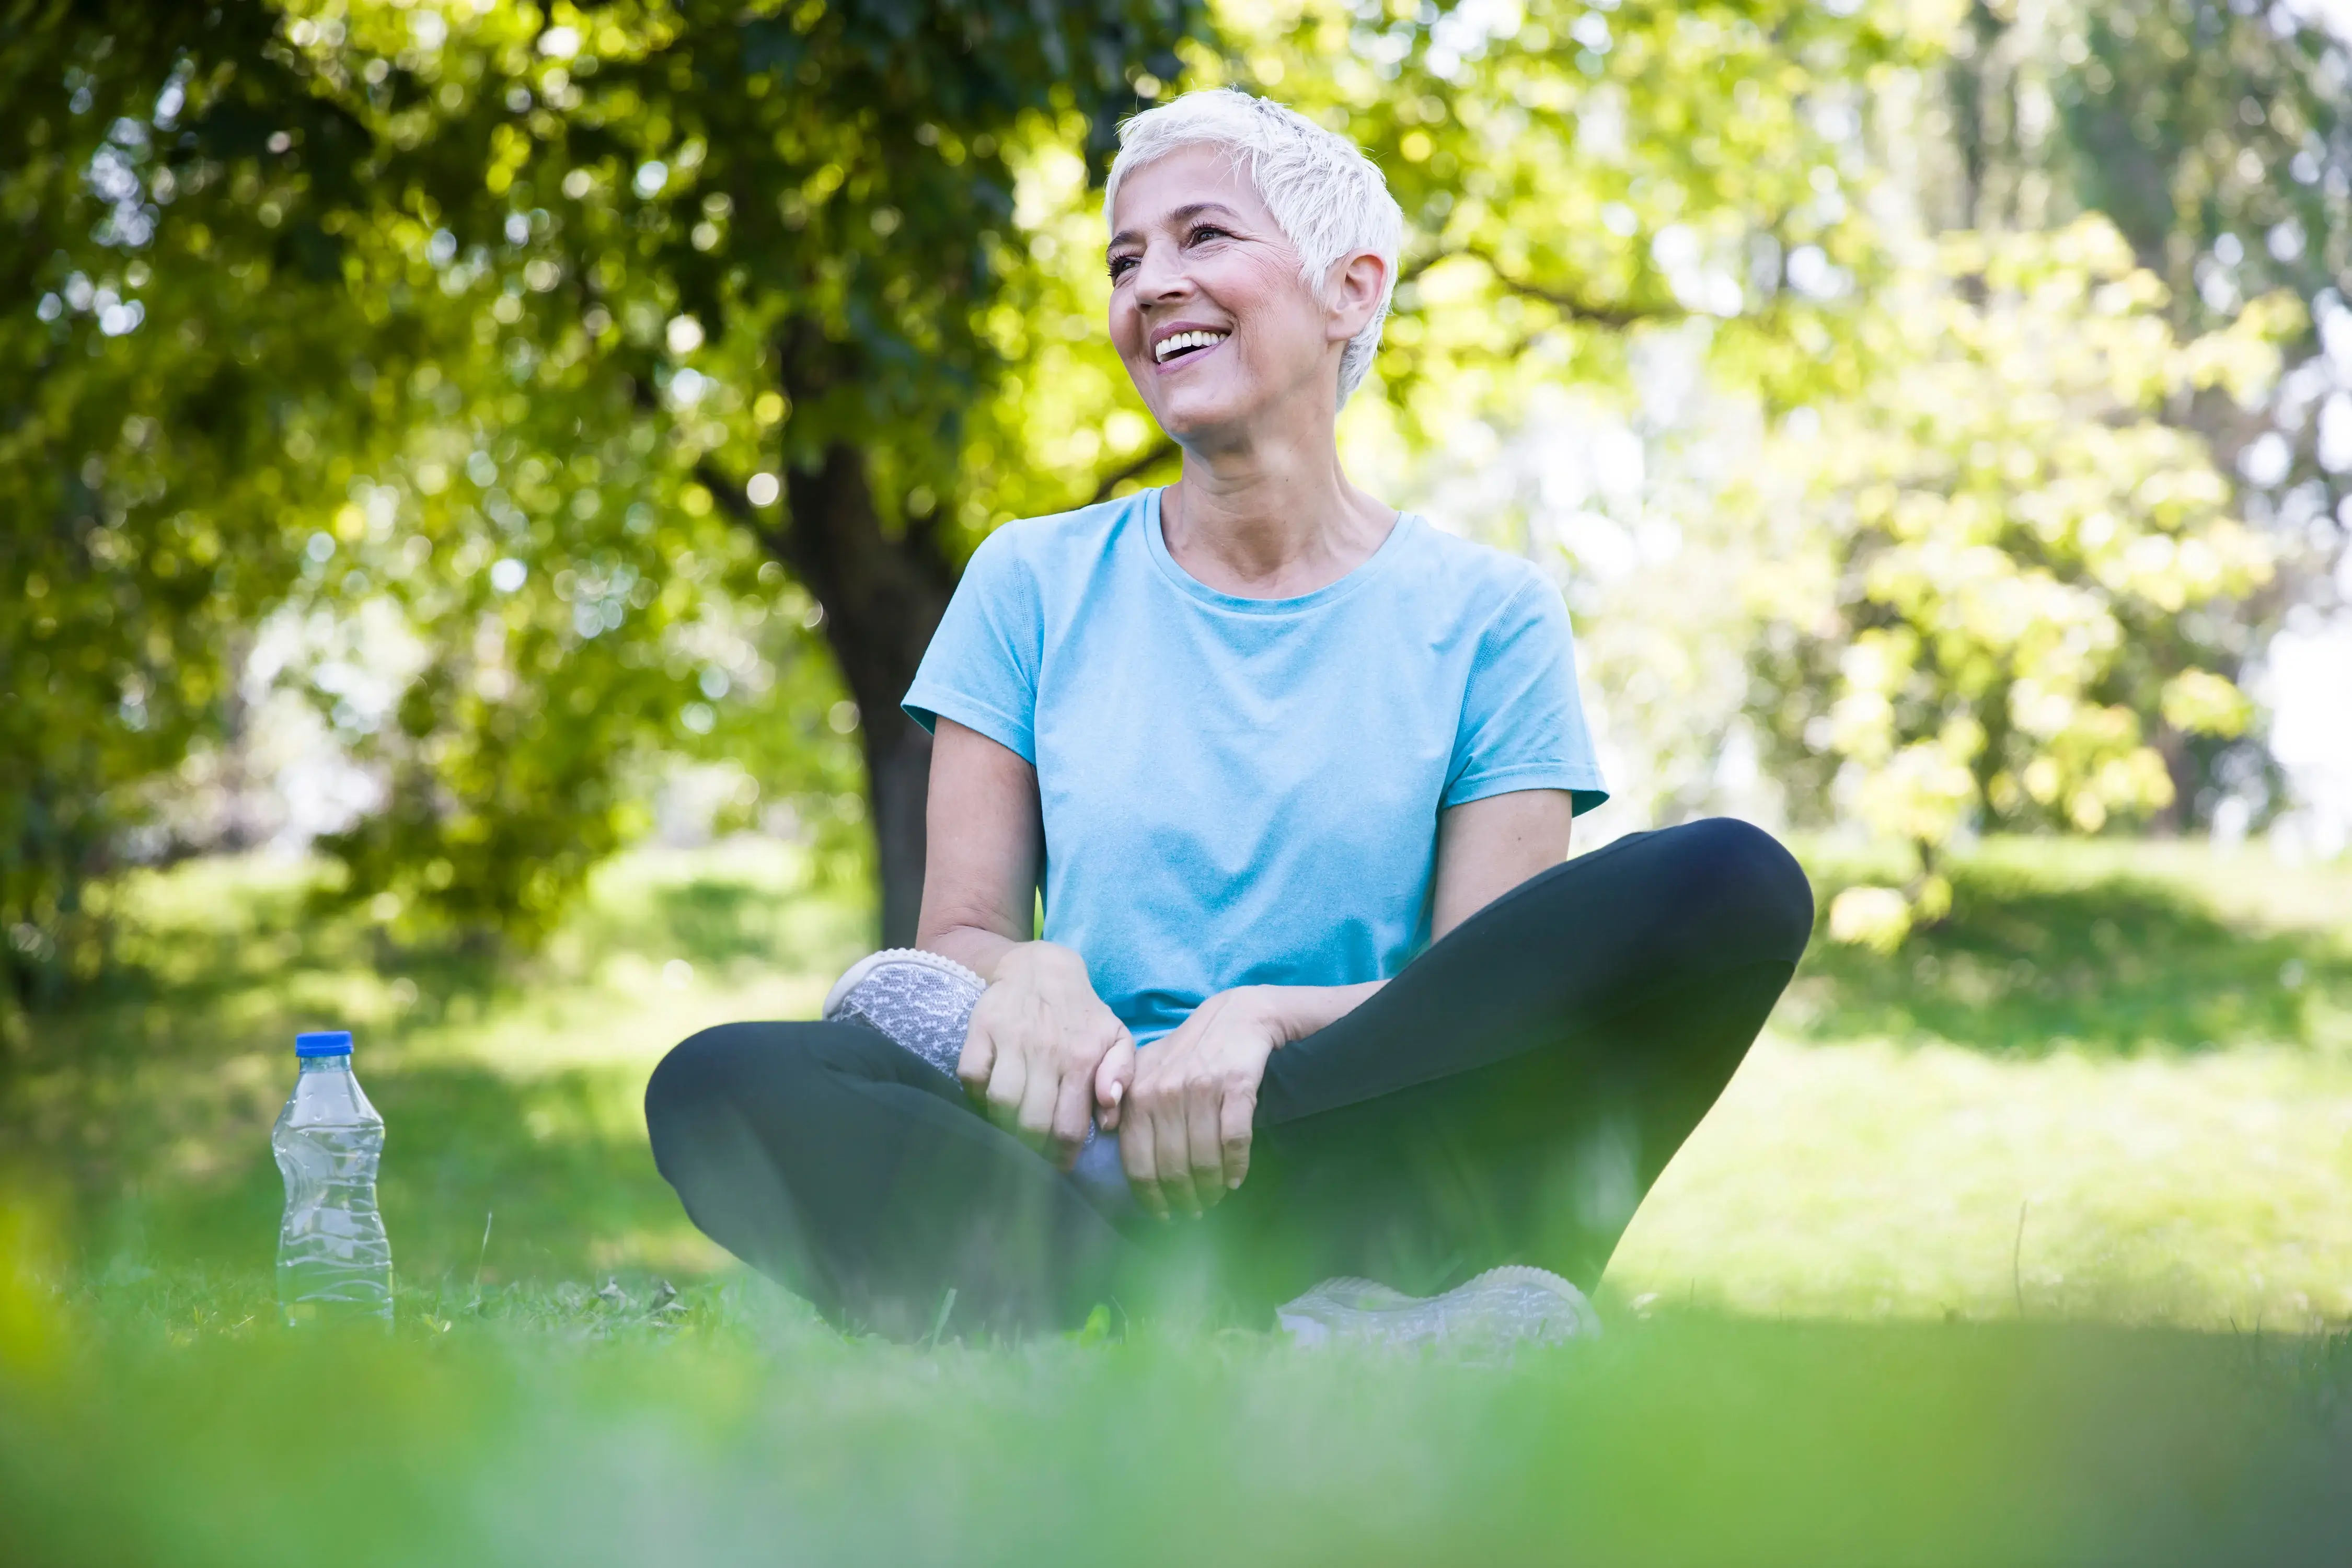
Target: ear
(1354, 291)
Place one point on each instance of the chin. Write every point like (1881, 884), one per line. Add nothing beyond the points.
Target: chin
(1186, 421)
(1206, 410)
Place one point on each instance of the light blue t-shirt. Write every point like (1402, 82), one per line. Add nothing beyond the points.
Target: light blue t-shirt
(1246, 791)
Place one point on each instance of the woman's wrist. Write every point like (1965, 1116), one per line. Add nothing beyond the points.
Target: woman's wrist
(992, 955)
(975, 947)
(1038, 959)
(1294, 1012)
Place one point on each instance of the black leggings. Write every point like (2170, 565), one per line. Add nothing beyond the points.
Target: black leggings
(1508, 1098)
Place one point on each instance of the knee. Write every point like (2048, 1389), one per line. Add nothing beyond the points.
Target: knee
(1751, 884)
(701, 1075)
(776, 1073)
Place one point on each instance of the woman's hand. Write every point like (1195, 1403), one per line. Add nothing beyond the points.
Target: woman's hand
(1185, 1141)
(1044, 1051)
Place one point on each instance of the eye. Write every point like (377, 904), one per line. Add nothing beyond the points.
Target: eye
(1202, 231)
(1121, 265)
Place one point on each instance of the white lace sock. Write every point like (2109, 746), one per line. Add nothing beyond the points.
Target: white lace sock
(923, 1001)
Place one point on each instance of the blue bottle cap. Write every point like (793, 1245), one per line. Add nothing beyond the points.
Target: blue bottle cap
(325, 1043)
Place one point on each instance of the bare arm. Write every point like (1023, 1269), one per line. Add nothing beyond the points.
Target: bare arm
(985, 842)
(1043, 1053)
(1486, 847)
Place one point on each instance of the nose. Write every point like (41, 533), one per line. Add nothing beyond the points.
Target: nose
(1160, 275)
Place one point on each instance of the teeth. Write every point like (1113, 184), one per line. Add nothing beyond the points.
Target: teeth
(1182, 341)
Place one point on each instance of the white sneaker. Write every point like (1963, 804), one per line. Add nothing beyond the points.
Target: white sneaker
(1499, 1309)
(921, 1000)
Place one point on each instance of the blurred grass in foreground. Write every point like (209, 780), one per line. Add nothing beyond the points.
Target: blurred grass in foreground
(736, 1430)
(2148, 1049)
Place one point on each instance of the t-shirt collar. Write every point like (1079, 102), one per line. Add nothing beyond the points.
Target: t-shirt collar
(1408, 524)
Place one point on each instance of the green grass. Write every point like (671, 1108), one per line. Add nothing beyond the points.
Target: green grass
(1675, 1443)
(2029, 1244)
(511, 1092)
(2090, 1095)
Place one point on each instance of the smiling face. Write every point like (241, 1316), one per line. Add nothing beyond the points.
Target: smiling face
(1208, 309)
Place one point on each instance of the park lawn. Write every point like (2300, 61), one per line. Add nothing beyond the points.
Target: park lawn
(2022, 1245)
(2117, 1085)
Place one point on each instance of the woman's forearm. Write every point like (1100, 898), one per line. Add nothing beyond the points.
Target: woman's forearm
(1297, 1011)
(1294, 1012)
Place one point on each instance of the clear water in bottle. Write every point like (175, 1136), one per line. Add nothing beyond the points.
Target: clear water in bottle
(334, 1260)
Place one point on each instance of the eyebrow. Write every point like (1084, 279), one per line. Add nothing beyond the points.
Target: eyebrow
(1183, 213)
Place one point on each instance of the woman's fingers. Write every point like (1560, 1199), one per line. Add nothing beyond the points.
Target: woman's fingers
(1235, 1117)
(1135, 1157)
(1073, 1107)
(977, 1062)
(1008, 1080)
(1041, 1094)
(1173, 1152)
(1203, 1142)
(1114, 1081)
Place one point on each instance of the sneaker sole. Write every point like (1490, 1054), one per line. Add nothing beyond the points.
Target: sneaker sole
(1510, 1305)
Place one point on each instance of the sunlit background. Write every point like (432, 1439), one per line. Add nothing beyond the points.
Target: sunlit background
(476, 477)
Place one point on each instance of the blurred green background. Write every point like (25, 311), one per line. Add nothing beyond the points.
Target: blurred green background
(474, 478)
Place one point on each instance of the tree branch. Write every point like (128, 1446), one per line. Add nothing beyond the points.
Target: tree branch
(1157, 453)
(730, 499)
(1619, 316)
(727, 494)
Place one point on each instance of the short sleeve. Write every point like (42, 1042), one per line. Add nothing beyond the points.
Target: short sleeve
(981, 669)
(1522, 720)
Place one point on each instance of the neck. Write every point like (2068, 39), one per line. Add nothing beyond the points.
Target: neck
(1270, 514)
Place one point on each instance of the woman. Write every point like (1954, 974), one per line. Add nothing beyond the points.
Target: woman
(1316, 995)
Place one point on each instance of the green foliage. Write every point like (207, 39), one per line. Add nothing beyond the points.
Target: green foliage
(2217, 138)
(153, 379)
(2001, 620)
(2180, 121)
(356, 309)
(2183, 121)
(1578, 174)
(709, 248)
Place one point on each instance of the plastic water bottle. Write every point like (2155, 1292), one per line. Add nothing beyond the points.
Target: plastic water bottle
(334, 1260)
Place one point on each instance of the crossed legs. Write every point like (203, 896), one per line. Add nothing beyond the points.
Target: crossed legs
(1508, 1098)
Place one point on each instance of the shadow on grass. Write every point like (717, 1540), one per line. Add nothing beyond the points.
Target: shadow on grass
(711, 922)
(2024, 964)
(204, 956)
(211, 951)
(143, 1104)
(727, 908)
(560, 1161)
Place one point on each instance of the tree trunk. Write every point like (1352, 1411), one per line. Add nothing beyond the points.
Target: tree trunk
(883, 596)
(1974, 80)
(898, 770)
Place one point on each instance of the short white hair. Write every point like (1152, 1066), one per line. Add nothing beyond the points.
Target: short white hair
(1330, 200)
